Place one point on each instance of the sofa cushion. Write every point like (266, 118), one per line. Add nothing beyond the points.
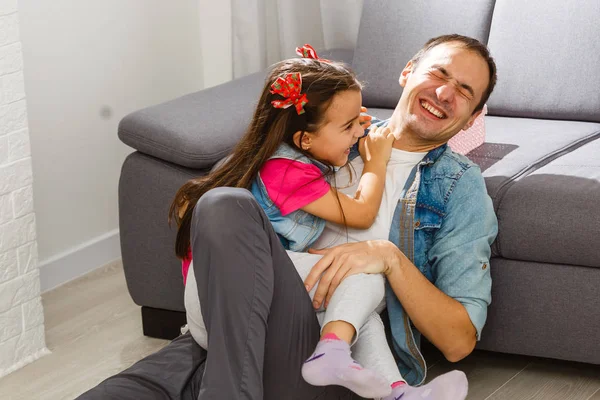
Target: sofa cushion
(551, 215)
(392, 31)
(201, 128)
(515, 147)
(548, 58)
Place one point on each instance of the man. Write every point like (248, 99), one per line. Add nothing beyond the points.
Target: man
(260, 322)
(436, 259)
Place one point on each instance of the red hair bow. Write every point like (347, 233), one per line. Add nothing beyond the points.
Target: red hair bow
(307, 51)
(289, 87)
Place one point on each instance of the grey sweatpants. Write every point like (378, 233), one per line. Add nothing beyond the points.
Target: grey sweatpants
(261, 323)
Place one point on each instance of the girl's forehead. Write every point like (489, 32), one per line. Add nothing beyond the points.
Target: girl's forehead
(345, 103)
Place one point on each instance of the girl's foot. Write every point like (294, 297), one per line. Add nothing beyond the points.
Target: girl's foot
(331, 364)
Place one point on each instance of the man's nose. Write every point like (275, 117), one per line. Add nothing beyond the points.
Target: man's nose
(359, 132)
(445, 93)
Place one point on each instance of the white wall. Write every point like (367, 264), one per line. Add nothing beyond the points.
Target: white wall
(88, 64)
(22, 337)
(214, 17)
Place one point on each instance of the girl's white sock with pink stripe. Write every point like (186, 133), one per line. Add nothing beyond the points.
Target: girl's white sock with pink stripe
(332, 364)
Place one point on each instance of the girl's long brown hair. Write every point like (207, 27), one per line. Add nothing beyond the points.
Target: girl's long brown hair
(269, 128)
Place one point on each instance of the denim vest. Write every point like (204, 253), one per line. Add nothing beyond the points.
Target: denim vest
(296, 230)
(444, 223)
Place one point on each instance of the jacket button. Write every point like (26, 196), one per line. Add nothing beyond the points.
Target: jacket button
(417, 224)
(484, 266)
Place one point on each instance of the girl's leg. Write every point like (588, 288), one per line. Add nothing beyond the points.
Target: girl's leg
(372, 351)
(353, 301)
(260, 322)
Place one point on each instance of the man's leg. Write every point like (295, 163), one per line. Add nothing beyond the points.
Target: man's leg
(260, 321)
(174, 372)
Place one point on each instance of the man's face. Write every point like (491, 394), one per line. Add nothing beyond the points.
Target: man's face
(441, 93)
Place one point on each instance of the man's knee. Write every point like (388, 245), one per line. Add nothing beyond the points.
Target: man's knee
(222, 208)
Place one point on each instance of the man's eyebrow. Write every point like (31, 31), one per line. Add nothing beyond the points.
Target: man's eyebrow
(468, 88)
(350, 120)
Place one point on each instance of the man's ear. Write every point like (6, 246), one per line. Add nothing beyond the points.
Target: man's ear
(406, 73)
(471, 120)
(306, 140)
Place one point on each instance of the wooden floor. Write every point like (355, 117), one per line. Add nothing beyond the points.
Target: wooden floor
(93, 329)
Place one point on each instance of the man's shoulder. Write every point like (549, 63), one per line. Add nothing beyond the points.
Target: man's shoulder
(453, 176)
(454, 165)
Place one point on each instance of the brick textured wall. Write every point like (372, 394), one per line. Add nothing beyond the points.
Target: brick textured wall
(22, 338)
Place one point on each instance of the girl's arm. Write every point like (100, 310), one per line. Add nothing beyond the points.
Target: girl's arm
(361, 210)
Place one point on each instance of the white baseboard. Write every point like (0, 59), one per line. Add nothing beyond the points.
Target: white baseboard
(79, 260)
(27, 360)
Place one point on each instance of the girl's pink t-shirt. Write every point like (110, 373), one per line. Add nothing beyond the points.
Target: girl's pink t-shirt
(290, 184)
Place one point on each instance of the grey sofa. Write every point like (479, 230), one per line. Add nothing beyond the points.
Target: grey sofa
(541, 162)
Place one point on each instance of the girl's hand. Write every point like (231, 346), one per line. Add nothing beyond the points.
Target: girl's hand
(377, 145)
(364, 119)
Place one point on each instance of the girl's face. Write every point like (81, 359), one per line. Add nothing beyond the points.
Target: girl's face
(339, 131)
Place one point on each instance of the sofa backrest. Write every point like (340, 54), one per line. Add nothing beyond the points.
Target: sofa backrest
(547, 51)
(392, 31)
(548, 58)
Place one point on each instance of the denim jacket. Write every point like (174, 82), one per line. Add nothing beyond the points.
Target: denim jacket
(296, 230)
(445, 224)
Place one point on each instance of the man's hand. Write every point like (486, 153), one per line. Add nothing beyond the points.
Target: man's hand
(339, 262)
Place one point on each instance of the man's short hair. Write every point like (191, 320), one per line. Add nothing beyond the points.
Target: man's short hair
(469, 44)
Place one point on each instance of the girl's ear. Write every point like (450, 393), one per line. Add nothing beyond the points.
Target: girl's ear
(305, 137)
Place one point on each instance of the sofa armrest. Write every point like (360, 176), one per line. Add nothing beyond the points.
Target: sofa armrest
(198, 129)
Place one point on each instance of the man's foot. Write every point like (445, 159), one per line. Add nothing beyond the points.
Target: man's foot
(450, 386)
(331, 364)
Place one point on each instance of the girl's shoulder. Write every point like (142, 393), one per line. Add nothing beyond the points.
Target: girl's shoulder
(291, 184)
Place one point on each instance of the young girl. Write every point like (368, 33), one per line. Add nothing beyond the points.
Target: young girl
(305, 125)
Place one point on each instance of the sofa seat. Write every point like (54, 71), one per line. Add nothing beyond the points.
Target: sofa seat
(552, 214)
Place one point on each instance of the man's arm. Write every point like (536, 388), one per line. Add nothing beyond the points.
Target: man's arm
(451, 312)
(441, 319)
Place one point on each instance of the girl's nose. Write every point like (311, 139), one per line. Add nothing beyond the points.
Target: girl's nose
(359, 132)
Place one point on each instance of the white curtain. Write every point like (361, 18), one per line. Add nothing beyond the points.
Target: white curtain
(266, 31)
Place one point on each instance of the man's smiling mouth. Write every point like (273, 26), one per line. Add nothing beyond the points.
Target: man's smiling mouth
(432, 110)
